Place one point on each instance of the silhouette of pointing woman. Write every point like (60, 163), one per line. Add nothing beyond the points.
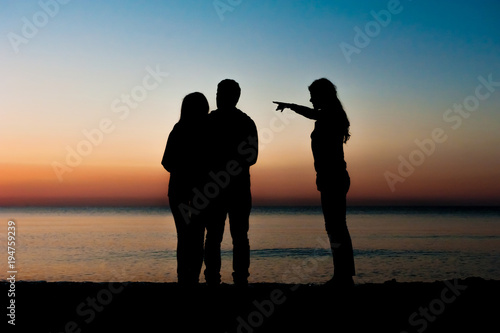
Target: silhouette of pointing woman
(331, 132)
(185, 159)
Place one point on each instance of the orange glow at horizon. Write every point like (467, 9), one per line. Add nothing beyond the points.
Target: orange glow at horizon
(35, 185)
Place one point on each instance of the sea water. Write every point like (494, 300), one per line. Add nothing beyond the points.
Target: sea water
(288, 244)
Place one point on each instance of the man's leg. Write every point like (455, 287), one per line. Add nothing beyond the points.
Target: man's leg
(215, 222)
(239, 216)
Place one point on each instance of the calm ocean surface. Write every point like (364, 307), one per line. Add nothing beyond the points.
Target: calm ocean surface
(289, 245)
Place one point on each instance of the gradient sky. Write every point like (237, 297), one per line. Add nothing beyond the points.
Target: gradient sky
(64, 69)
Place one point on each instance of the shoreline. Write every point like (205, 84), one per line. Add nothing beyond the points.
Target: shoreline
(441, 306)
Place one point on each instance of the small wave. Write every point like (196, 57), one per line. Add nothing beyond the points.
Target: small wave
(321, 252)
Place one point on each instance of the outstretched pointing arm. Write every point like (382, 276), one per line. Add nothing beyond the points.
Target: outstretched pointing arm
(302, 110)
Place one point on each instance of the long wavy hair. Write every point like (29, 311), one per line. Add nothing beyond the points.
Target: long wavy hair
(194, 107)
(326, 91)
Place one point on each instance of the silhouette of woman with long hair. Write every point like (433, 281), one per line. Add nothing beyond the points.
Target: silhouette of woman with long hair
(331, 132)
(185, 159)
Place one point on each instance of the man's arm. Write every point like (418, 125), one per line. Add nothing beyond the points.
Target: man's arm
(248, 149)
(253, 143)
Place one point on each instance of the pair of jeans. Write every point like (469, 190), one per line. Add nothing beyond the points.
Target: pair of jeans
(235, 202)
(333, 203)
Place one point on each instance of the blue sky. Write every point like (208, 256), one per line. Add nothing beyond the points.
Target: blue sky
(395, 90)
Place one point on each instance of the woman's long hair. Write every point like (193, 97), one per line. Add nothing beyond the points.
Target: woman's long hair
(194, 107)
(325, 90)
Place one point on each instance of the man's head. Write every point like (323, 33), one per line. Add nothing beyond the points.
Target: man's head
(228, 94)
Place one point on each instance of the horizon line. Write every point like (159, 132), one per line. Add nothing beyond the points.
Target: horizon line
(382, 205)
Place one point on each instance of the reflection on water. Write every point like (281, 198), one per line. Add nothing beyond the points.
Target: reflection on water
(288, 244)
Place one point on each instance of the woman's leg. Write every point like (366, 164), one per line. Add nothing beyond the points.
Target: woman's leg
(197, 233)
(333, 203)
(181, 225)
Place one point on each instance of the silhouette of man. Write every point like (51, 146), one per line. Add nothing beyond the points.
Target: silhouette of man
(234, 149)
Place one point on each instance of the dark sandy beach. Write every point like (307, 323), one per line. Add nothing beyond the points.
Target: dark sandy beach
(469, 305)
